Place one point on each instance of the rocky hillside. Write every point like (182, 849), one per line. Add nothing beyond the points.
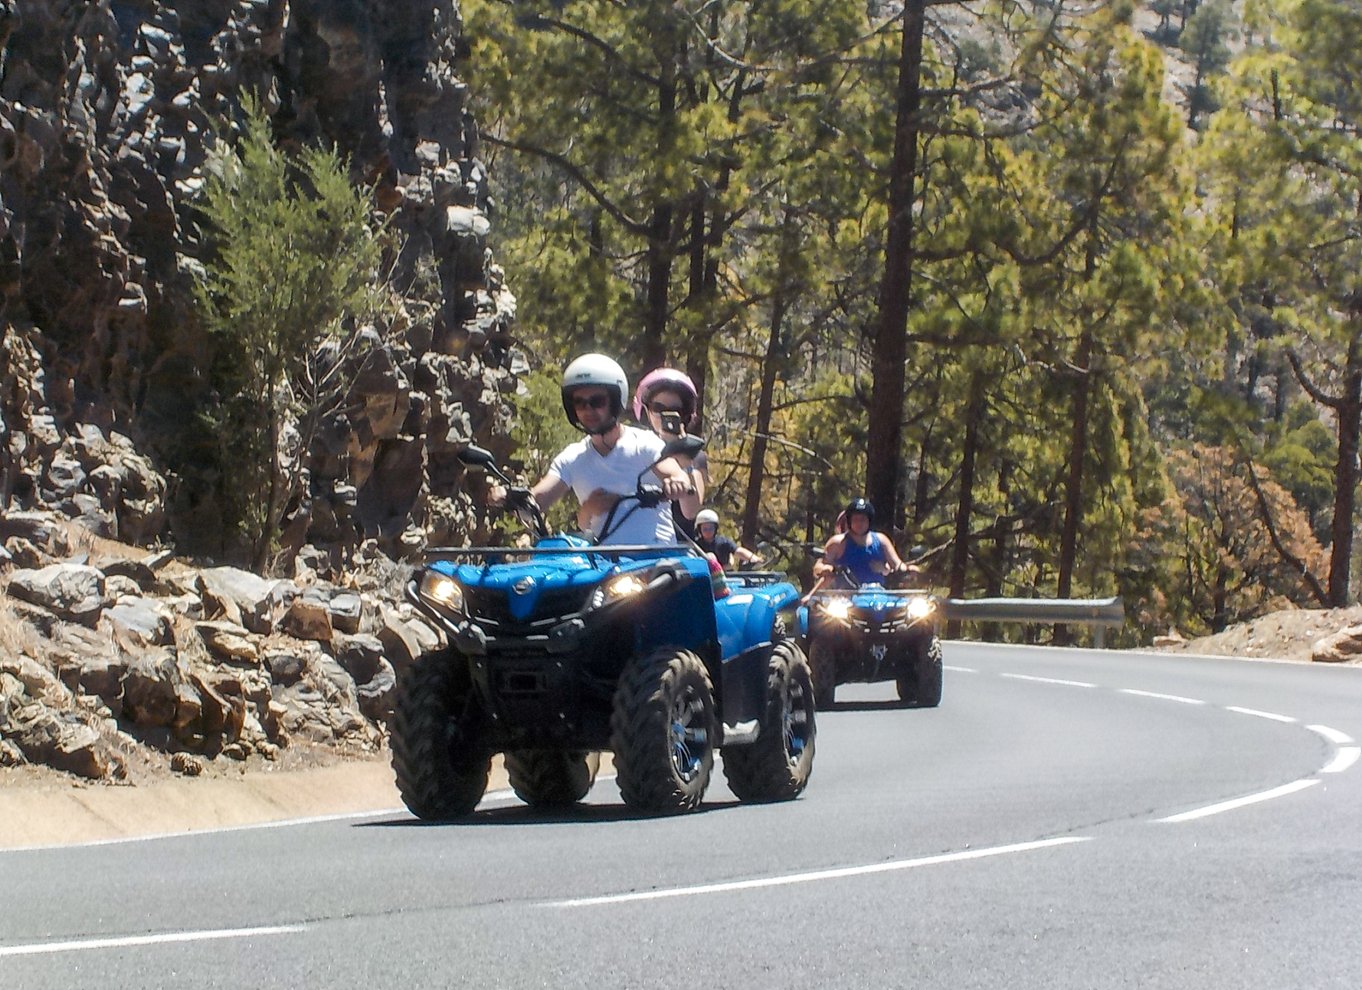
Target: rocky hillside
(106, 112)
(114, 661)
(119, 643)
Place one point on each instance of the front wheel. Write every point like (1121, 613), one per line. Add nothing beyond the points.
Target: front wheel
(546, 778)
(439, 750)
(777, 766)
(662, 731)
(922, 688)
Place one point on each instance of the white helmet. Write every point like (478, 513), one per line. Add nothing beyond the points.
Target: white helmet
(706, 516)
(601, 371)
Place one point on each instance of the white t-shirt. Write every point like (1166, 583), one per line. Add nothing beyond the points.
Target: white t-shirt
(584, 469)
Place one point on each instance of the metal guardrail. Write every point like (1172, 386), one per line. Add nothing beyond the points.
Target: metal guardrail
(1099, 612)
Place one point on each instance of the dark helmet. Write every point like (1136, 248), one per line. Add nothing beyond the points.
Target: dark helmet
(859, 506)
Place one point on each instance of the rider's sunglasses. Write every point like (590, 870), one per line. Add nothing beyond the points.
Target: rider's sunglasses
(662, 410)
(596, 401)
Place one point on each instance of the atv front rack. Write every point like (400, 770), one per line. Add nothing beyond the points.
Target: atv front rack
(501, 555)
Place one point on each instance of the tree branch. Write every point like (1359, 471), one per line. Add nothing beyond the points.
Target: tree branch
(1265, 513)
(593, 190)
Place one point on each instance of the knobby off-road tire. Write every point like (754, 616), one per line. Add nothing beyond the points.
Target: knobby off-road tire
(546, 778)
(823, 663)
(923, 690)
(777, 766)
(663, 729)
(440, 755)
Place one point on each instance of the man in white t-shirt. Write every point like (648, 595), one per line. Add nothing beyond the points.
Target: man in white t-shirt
(606, 464)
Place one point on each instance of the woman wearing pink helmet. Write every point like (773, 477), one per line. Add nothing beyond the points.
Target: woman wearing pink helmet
(666, 400)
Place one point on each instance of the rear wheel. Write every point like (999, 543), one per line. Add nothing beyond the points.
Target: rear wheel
(439, 750)
(923, 687)
(777, 766)
(663, 730)
(546, 778)
(823, 664)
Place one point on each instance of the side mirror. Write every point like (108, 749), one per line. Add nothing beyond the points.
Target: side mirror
(477, 457)
(817, 553)
(916, 553)
(686, 446)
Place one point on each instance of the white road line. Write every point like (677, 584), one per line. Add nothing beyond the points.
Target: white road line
(1049, 680)
(1333, 735)
(837, 874)
(1343, 759)
(961, 670)
(44, 948)
(1161, 697)
(1215, 809)
(1347, 753)
(1257, 714)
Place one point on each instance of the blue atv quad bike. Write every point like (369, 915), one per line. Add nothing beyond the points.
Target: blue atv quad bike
(559, 652)
(870, 632)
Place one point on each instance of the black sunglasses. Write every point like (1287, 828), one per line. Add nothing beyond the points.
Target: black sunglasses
(590, 401)
(662, 410)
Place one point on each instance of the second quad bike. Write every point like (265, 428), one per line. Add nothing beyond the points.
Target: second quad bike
(873, 632)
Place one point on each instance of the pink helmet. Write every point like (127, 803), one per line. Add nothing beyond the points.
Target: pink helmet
(669, 378)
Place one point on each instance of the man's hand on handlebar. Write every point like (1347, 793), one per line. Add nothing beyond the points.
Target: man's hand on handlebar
(500, 497)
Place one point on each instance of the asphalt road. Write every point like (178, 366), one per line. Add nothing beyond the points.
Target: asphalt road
(1065, 819)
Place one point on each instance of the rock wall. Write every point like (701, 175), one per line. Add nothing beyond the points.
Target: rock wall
(105, 111)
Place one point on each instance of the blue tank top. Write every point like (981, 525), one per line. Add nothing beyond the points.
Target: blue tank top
(859, 560)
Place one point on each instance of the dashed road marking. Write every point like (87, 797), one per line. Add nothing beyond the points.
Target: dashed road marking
(1161, 697)
(1333, 735)
(1049, 680)
(1273, 716)
(88, 944)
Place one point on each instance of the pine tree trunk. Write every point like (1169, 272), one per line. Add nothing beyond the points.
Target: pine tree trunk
(964, 511)
(884, 456)
(1349, 412)
(770, 366)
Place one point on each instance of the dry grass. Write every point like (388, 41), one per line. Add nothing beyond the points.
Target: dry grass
(17, 634)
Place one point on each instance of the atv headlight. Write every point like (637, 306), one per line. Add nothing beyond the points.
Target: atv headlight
(619, 587)
(442, 590)
(919, 608)
(837, 608)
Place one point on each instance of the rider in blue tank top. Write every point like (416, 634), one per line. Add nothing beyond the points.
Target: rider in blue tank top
(866, 560)
(866, 554)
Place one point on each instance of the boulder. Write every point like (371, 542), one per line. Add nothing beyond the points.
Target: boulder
(73, 591)
(359, 655)
(151, 689)
(378, 694)
(100, 676)
(229, 642)
(137, 623)
(405, 636)
(64, 741)
(346, 610)
(1342, 646)
(244, 598)
(285, 667)
(308, 619)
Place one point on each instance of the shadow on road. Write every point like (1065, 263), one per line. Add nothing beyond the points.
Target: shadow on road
(519, 814)
(869, 706)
